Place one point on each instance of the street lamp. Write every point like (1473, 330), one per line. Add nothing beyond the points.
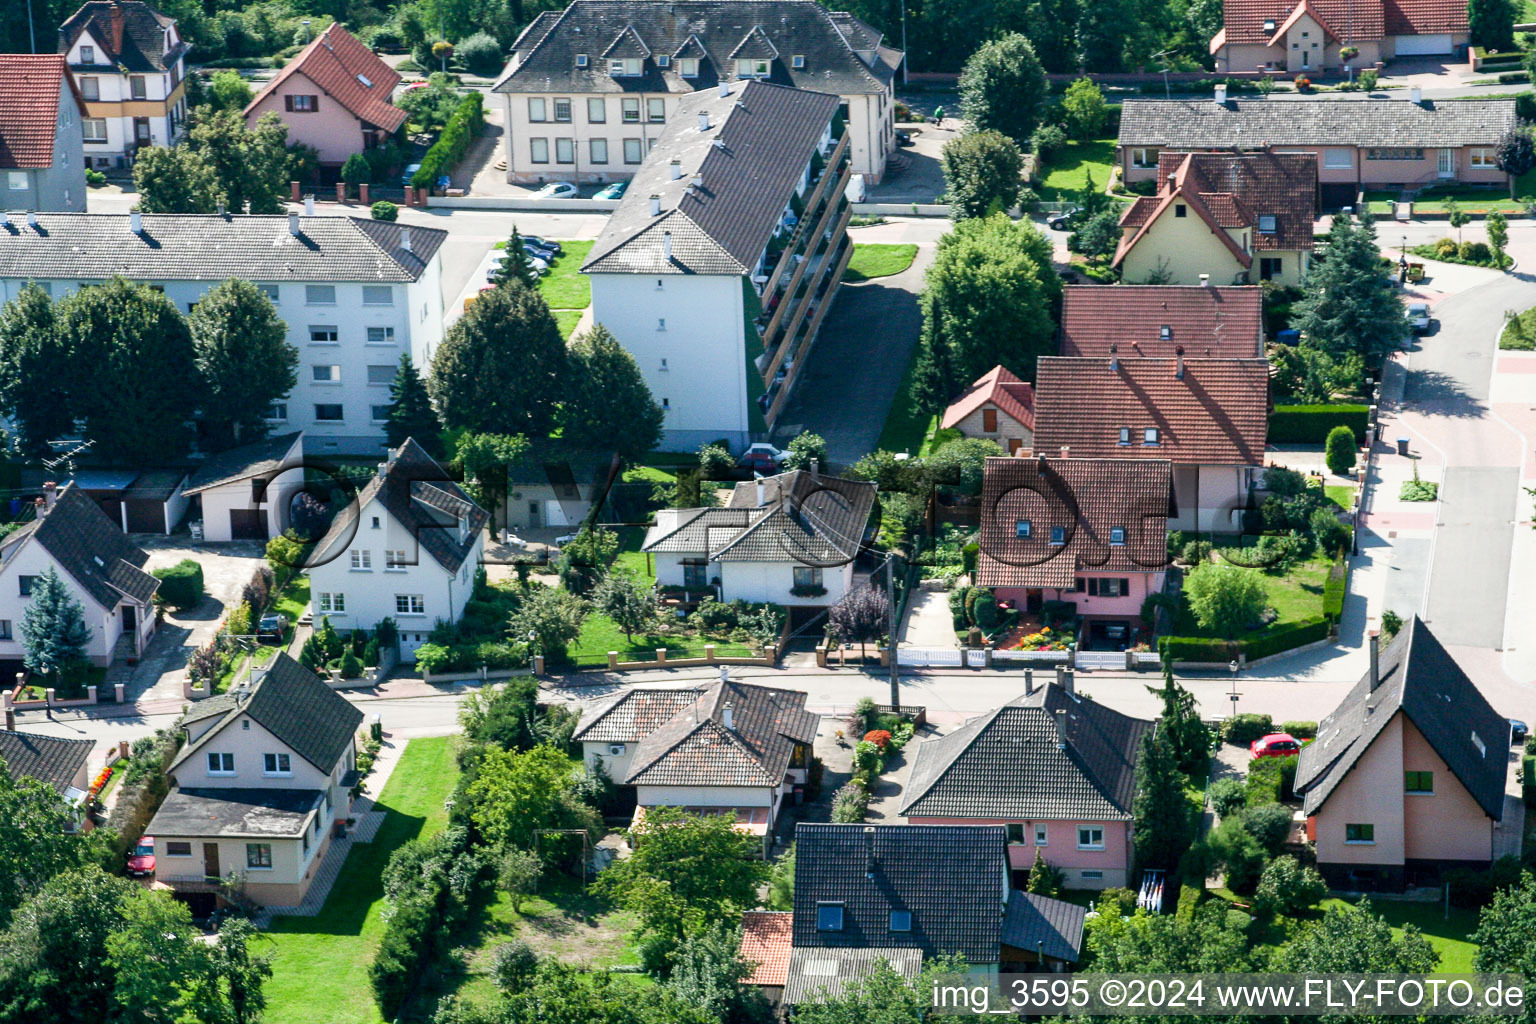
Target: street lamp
(1233, 667)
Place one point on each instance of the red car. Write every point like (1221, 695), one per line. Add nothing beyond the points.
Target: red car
(141, 861)
(1276, 744)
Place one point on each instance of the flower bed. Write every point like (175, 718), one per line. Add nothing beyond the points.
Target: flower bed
(1046, 639)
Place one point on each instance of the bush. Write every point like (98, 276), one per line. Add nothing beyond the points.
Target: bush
(1117, 901)
(879, 737)
(94, 177)
(849, 804)
(1300, 730)
(1339, 450)
(1334, 590)
(453, 143)
(1270, 780)
(384, 210)
(1269, 824)
(1474, 252)
(1310, 424)
(1241, 730)
(1474, 889)
(1446, 248)
(1331, 534)
(1286, 887)
(481, 54)
(513, 964)
(1287, 638)
(181, 585)
(985, 610)
(1195, 552)
(1046, 139)
(351, 667)
(1228, 797)
(1233, 848)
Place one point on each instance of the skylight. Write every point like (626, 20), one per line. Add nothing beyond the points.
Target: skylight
(364, 80)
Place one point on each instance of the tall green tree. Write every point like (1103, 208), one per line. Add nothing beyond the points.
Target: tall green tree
(251, 163)
(515, 793)
(1003, 88)
(502, 367)
(515, 264)
(1226, 599)
(1491, 24)
(1498, 235)
(1085, 109)
(1349, 306)
(239, 972)
(934, 378)
(553, 615)
(38, 842)
(174, 179)
(410, 411)
(228, 91)
(35, 370)
(244, 358)
(1504, 930)
(1146, 943)
(983, 172)
(1163, 824)
(708, 971)
(805, 450)
(1188, 737)
(53, 629)
(1351, 940)
(485, 459)
(608, 408)
(161, 973)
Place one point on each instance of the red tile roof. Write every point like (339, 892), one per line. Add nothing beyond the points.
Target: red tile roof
(30, 84)
(334, 61)
(1422, 17)
(765, 941)
(1225, 322)
(1012, 396)
(1215, 414)
(1344, 19)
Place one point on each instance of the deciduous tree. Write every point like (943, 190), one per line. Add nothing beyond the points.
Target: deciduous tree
(609, 408)
(1351, 939)
(486, 459)
(244, 358)
(228, 91)
(250, 163)
(35, 370)
(515, 793)
(1515, 152)
(1225, 598)
(1491, 24)
(804, 450)
(983, 172)
(174, 179)
(1085, 109)
(631, 606)
(1003, 88)
(502, 367)
(862, 616)
(553, 616)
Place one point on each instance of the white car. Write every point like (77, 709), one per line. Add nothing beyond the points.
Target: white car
(539, 265)
(556, 190)
(1418, 316)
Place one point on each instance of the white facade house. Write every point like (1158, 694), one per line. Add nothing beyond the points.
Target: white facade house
(406, 549)
(96, 561)
(42, 165)
(245, 492)
(130, 63)
(355, 293)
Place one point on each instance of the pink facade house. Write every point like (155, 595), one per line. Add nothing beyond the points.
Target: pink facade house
(1058, 770)
(333, 96)
(1406, 778)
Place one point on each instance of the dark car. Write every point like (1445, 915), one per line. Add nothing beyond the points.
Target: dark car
(1062, 220)
(1518, 731)
(903, 137)
(271, 626)
(545, 243)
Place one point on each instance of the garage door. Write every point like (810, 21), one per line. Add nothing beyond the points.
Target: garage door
(145, 516)
(1408, 46)
(247, 524)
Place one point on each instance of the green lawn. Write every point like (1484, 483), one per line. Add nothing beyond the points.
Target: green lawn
(1448, 936)
(1340, 494)
(320, 964)
(1067, 168)
(600, 634)
(1522, 338)
(906, 426)
(1295, 596)
(566, 320)
(630, 538)
(871, 259)
(566, 287)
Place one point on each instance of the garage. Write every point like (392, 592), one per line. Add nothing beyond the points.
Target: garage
(247, 524)
(1425, 45)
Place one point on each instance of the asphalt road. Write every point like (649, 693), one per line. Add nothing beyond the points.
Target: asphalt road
(1469, 578)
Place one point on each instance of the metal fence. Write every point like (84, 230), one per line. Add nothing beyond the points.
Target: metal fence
(929, 657)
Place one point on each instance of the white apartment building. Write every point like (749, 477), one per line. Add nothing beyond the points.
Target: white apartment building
(130, 63)
(355, 294)
(590, 90)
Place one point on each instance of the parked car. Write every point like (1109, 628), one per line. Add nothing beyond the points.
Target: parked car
(1518, 731)
(540, 265)
(141, 859)
(556, 190)
(903, 137)
(545, 243)
(1062, 220)
(272, 625)
(855, 192)
(613, 191)
(470, 301)
(408, 174)
(762, 458)
(1418, 316)
(1276, 744)
(542, 252)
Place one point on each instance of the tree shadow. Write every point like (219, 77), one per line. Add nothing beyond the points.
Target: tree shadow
(1440, 394)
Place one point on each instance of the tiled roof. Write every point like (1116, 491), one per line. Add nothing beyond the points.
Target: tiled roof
(696, 748)
(242, 463)
(536, 30)
(634, 714)
(1216, 413)
(1335, 121)
(30, 84)
(54, 760)
(1425, 17)
(1087, 499)
(820, 973)
(1050, 755)
(1244, 20)
(1042, 925)
(348, 73)
(129, 32)
(765, 938)
(1239, 187)
(1012, 396)
(290, 702)
(209, 247)
(1419, 678)
(1225, 322)
(400, 489)
(627, 44)
(235, 812)
(91, 549)
(950, 878)
(154, 485)
(750, 161)
(826, 39)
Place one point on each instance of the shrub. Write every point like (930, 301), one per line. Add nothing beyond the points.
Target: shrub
(94, 177)
(1331, 534)
(713, 616)
(384, 210)
(879, 737)
(1195, 552)
(868, 759)
(1286, 887)
(1310, 424)
(1270, 780)
(849, 804)
(1228, 797)
(985, 610)
(351, 667)
(1269, 824)
(1334, 589)
(453, 143)
(1339, 450)
(1284, 482)
(480, 53)
(1117, 901)
(1446, 249)
(1474, 888)
(1300, 730)
(1046, 139)
(1474, 252)
(1233, 848)
(1241, 730)
(181, 585)
(513, 964)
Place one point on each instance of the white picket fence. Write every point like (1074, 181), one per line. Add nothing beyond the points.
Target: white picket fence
(929, 657)
(1101, 660)
(1031, 657)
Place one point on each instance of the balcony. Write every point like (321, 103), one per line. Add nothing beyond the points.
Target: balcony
(815, 311)
(809, 278)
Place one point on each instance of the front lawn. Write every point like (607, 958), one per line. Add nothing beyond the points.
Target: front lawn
(1067, 168)
(906, 426)
(1295, 596)
(871, 259)
(600, 634)
(565, 286)
(320, 964)
(1342, 495)
(1449, 936)
(630, 557)
(566, 320)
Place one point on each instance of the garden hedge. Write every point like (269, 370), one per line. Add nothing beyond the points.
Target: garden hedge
(181, 585)
(453, 143)
(1309, 424)
(1334, 589)
(1278, 639)
(1300, 730)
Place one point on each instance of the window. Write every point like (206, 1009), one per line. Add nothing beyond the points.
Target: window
(18, 180)
(1023, 528)
(376, 522)
(258, 855)
(989, 421)
(95, 129)
(326, 373)
(901, 921)
(581, 60)
(1125, 435)
(1359, 833)
(807, 576)
(221, 764)
(138, 87)
(1181, 210)
(90, 88)
(661, 323)
(1093, 874)
(1108, 588)
(829, 917)
(597, 151)
(362, 558)
(695, 573)
(328, 413)
(5, 629)
(1395, 153)
(320, 295)
(324, 334)
(1058, 535)
(381, 336)
(410, 604)
(1482, 158)
(1149, 436)
(597, 110)
(1339, 159)
(378, 295)
(1040, 835)
(563, 110)
(538, 151)
(1015, 833)
(631, 107)
(302, 104)
(663, 60)
(269, 290)
(367, 82)
(1266, 223)
(536, 110)
(277, 411)
(178, 848)
(633, 153)
(1117, 535)
(688, 67)
(27, 583)
(276, 764)
(378, 374)
(1270, 267)
(1090, 837)
(87, 55)
(1144, 157)
(752, 68)
(332, 602)
(797, 61)
(655, 109)
(380, 413)
(565, 151)
(394, 561)
(1419, 782)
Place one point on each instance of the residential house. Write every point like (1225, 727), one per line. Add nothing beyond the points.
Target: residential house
(1208, 417)
(722, 748)
(260, 787)
(1056, 770)
(1309, 36)
(102, 569)
(1406, 778)
(243, 493)
(790, 539)
(62, 764)
(334, 95)
(1161, 320)
(1092, 532)
(41, 154)
(130, 63)
(721, 261)
(355, 293)
(1365, 142)
(998, 407)
(1223, 218)
(590, 89)
(406, 548)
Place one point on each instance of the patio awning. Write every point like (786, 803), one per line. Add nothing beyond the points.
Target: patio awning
(754, 821)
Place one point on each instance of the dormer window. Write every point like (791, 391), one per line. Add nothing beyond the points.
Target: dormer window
(797, 62)
(581, 60)
(1125, 435)
(1058, 535)
(1023, 529)
(688, 67)
(1266, 223)
(1149, 436)
(829, 917)
(1269, 26)
(753, 68)
(625, 67)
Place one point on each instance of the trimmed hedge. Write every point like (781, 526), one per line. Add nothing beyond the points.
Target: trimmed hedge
(1300, 730)
(181, 585)
(1277, 640)
(451, 146)
(1334, 590)
(1241, 730)
(1309, 424)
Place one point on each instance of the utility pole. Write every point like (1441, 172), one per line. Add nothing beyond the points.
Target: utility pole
(905, 58)
(32, 31)
(890, 600)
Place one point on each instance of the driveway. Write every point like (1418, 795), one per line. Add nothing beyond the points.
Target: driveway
(928, 622)
(913, 174)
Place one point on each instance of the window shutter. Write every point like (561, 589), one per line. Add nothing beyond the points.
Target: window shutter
(288, 103)
(314, 104)
(1093, 586)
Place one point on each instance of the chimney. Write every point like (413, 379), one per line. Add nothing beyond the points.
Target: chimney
(1114, 358)
(309, 204)
(5, 220)
(31, 218)
(725, 89)
(1375, 641)
(1205, 280)
(1179, 369)
(136, 222)
(762, 493)
(703, 120)
(1060, 676)
(698, 179)
(655, 206)
(815, 469)
(10, 720)
(1221, 95)
(293, 224)
(675, 168)
(1416, 95)
(220, 209)
(1065, 450)
(728, 717)
(1029, 681)
(666, 246)
(869, 851)
(1066, 681)
(50, 493)
(405, 239)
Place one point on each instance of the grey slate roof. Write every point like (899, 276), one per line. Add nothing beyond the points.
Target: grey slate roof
(951, 878)
(1257, 123)
(91, 549)
(627, 44)
(50, 759)
(819, 973)
(751, 160)
(1050, 755)
(1420, 679)
(235, 812)
(826, 39)
(291, 703)
(139, 46)
(208, 247)
(1045, 926)
(634, 715)
(694, 747)
(248, 460)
